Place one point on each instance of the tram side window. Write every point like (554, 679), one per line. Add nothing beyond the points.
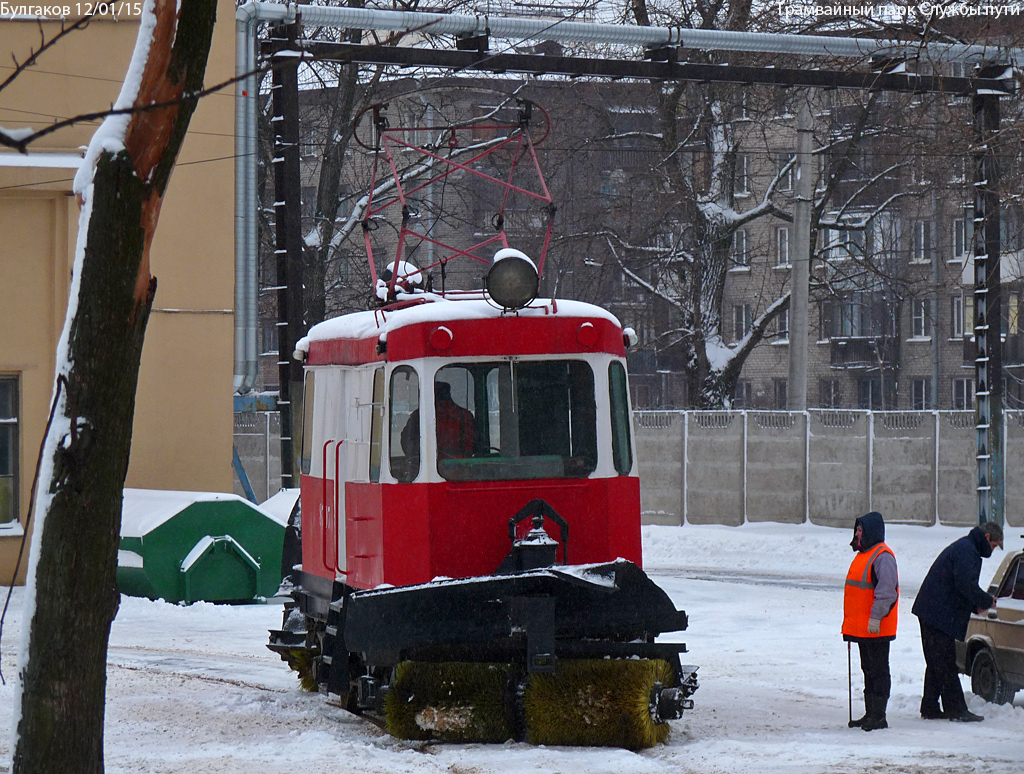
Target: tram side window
(404, 438)
(522, 420)
(622, 448)
(307, 421)
(376, 423)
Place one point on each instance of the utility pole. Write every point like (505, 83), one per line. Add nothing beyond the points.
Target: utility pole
(288, 245)
(988, 317)
(799, 273)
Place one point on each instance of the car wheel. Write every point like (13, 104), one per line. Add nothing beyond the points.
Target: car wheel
(987, 681)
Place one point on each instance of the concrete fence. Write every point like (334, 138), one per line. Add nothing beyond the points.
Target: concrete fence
(824, 466)
(729, 467)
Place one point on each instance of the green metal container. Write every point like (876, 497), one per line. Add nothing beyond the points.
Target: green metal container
(192, 546)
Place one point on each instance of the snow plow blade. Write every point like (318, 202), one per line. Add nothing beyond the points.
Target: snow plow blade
(583, 611)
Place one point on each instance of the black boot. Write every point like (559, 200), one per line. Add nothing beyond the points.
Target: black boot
(859, 722)
(875, 718)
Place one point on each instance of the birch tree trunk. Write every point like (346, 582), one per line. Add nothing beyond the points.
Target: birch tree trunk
(77, 511)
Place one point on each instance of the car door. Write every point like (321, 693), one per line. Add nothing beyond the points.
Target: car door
(1005, 623)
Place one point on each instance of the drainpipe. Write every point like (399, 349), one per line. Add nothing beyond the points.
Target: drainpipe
(246, 201)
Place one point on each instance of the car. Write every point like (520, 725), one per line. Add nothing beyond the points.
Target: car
(993, 651)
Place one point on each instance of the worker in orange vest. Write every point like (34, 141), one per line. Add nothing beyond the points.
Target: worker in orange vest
(869, 614)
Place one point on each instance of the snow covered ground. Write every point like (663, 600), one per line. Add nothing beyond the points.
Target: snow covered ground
(192, 689)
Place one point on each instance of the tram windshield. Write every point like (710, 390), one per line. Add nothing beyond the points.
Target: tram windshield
(500, 420)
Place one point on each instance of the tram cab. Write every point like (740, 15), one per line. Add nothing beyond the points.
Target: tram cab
(428, 424)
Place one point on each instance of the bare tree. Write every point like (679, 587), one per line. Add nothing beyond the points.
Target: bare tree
(84, 458)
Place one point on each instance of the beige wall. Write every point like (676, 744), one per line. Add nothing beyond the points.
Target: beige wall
(183, 418)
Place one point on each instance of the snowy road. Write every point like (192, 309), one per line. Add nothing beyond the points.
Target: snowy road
(194, 690)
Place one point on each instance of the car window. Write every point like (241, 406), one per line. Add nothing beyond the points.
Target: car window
(1013, 583)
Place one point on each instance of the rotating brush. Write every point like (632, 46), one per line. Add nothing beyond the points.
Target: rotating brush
(597, 703)
(301, 662)
(451, 702)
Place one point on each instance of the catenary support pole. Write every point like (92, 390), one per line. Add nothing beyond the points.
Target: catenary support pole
(288, 248)
(988, 362)
(801, 260)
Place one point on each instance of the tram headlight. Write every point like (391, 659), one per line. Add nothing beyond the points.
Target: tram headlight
(512, 281)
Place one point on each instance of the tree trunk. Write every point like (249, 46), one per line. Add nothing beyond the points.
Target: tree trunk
(77, 511)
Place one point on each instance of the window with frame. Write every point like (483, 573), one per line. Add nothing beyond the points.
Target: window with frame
(782, 327)
(956, 317)
(872, 396)
(618, 394)
(830, 393)
(742, 395)
(740, 253)
(781, 394)
(920, 392)
(1013, 583)
(497, 420)
(920, 251)
(308, 393)
(959, 239)
(404, 438)
(786, 179)
(8, 449)
(742, 177)
(919, 318)
(376, 424)
(843, 244)
(963, 394)
(968, 313)
(742, 321)
(782, 246)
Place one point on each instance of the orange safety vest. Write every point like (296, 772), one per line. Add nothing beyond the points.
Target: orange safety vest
(860, 596)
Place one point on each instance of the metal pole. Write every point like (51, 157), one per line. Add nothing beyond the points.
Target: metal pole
(801, 261)
(288, 248)
(988, 363)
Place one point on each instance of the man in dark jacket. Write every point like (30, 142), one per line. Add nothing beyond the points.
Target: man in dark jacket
(948, 596)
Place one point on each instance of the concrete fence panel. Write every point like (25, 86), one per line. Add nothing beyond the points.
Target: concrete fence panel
(776, 466)
(838, 459)
(659, 453)
(957, 469)
(1014, 479)
(903, 466)
(714, 467)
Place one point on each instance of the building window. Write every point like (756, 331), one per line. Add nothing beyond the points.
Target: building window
(782, 246)
(869, 394)
(785, 177)
(963, 394)
(781, 394)
(740, 253)
(959, 239)
(830, 393)
(841, 244)
(969, 313)
(920, 389)
(742, 395)
(782, 327)
(742, 187)
(918, 318)
(921, 247)
(8, 449)
(956, 317)
(742, 321)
